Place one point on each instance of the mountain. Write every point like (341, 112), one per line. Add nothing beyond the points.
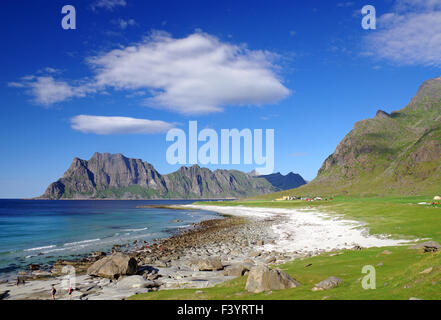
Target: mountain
(289, 181)
(397, 153)
(113, 176)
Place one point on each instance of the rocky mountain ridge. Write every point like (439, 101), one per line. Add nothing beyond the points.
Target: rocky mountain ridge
(113, 176)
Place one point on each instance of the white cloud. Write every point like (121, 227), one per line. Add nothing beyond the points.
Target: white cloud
(410, 35)
(108, 4)
(193, 75)
(196, 74)
(123, 24)
(47, 91)
(14, 84)
(407, 5)
(345, 4)
(118, 125)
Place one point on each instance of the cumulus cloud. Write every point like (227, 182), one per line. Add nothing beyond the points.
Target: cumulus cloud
(108, 4)
(196, 74)
(409, 35)
(46, 90)
(118, 125)
(193, 75)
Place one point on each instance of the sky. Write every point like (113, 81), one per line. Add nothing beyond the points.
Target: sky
(133, 69)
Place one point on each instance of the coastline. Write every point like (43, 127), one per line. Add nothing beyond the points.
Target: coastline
(243, 237)
(129, 199)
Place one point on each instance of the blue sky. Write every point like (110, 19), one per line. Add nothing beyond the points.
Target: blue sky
(306, 69)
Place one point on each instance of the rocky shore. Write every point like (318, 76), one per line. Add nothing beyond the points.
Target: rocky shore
(246, 240)
(209, 253)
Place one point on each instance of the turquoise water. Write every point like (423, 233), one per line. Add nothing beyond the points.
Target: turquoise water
(40, 231)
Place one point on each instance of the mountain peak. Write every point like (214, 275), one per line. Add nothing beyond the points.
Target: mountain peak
(381, 113)
(113, 176)
(402, 156)
(284, 182)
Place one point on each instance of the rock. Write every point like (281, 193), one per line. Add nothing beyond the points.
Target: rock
(209, 264)
(41, 273)
(328, 283)
(4, 294)
(271, 260)
(237, 270)
(98, 254)
(199, 292)
(380, 264)
(151, 276)
(428, 246)
(261, 278)
(425, 271)
(134, 282)
(177, 220)
(260, 243)
(162, 264)
(386, 252)
(254, 254)
(414, 298)
(34, 267)
(113, 266)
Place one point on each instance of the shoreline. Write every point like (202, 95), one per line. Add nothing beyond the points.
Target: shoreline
(243, 237)
(117, 199)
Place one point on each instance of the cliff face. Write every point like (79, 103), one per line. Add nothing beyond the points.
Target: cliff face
(113, 176)
(284, 182)
(397, 153)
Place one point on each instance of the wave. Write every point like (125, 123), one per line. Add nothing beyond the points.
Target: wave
(134, 230)
(54, 250)
(80, 242)
(40, 248)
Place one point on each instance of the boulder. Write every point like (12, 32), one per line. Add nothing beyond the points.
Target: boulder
(326, 284)
(113, 266)
(4, 294)
(271, 259)
(428, 246)
(237, 270)
(34, 267)
(261, 279)
(254, 254)
(98, 254)
(209, 264)
(134, 282)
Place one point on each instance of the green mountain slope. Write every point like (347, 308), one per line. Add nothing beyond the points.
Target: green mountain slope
(398, 153)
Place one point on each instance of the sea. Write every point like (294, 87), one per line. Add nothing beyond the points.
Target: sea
(43, 231)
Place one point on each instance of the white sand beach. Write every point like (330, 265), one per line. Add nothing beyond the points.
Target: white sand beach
(306, 231)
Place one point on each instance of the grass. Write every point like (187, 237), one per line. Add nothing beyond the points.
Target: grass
(398, 274)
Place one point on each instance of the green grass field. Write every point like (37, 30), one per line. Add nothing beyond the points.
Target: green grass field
(398, 275)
